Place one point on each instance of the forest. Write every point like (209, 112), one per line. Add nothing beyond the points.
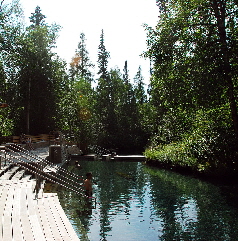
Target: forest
(186, 119)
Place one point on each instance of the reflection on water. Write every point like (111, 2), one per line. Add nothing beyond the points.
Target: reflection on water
(134, 202)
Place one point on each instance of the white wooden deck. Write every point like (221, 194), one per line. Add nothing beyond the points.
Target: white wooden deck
(23, 217)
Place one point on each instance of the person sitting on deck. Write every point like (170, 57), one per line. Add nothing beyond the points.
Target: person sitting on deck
(88, 184)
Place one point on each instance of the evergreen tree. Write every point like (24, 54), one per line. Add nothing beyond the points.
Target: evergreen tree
(128, 95)
(104, 84)
(37, 18)
(126, 74)
(139, 87)
(103, 56)
(81, 64)
(36, 80)
(103, 93)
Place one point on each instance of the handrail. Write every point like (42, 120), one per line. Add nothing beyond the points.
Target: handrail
(99, 150)
(34, 156)
(62, 178)
(44, 177)
(37, 172)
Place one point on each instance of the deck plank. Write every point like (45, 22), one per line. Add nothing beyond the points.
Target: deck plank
(53, 224)
(57, 217)
(33, 215)
(7, 227)
(17, 231)
(15, 213)
(37, 231)
(65, 220)
(26, 227)
(6, 217)
(30, 201)
(45, 224)
(16, 200)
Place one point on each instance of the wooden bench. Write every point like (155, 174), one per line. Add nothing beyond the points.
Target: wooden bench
(16, 139)
(34, 139)
(5, 139)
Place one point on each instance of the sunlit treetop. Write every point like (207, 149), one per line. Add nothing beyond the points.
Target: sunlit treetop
(37, 18)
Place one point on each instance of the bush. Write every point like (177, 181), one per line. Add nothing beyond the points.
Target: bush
(210, 146)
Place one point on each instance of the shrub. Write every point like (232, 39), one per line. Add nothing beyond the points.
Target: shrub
(210, 146)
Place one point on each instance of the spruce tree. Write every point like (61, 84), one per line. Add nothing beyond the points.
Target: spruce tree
(139, 87)
(38, 77)
(104, 91)
(37, 18)
(81, 64)
(103, 56)
(126, 75)
(103, 87)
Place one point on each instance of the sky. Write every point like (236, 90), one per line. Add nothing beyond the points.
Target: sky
(121, 20)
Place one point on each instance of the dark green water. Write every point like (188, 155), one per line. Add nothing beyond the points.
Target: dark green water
(135, 202)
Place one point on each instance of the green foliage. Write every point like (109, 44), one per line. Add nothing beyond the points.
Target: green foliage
(31, 76)
(5, 123)
(209, 146)
(139, 87)
(103, 56)
(77, 113)
(77, 104)
(37, 17)
(81, 64)
(43, 97)
(37, 81)
(193, 87)
(120, 117)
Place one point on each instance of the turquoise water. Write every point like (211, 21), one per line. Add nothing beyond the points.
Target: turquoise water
(135, 202)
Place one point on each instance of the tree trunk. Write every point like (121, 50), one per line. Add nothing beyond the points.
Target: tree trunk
(220, 14)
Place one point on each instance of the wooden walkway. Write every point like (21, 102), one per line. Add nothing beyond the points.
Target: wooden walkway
(25, 217)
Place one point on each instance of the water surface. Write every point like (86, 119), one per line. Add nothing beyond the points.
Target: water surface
(135, 202)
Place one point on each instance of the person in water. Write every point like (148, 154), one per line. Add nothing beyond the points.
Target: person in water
(88, 184)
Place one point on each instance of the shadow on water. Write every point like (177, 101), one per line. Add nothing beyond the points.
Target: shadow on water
(135, 202)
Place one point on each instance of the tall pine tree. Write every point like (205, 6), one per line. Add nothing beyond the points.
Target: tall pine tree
(103, 57)
(104, 94)
(139, 87)
(37, 78)
(81, 64)
(37, 18)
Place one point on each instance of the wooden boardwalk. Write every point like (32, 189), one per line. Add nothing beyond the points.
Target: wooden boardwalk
(25, 217)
